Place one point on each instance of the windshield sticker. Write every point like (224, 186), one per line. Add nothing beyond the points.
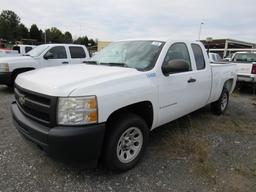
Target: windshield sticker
(156, 43)
(151, 75)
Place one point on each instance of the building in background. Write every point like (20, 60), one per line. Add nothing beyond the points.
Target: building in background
(225, 47)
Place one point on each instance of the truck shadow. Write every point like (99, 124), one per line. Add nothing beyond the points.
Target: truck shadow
(6, 90)
(159, 144)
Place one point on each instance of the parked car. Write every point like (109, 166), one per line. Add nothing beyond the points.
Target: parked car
(8, 53)
(23, 49)
(215, 57)
(107, 107)
(246, 66)
(46, 55)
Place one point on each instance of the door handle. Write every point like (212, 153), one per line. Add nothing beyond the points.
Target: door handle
(191, 80)
(64, 62)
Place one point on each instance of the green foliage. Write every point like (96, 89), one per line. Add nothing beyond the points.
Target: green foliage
(85, 41)
(9, 24)
(12, 30)
(22, 32)
(67, 38)
(35, 33)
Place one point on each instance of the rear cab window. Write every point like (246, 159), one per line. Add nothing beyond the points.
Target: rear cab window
(199, 56)
(77, 52)
(16, 48)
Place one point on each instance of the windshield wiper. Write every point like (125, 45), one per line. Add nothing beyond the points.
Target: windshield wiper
(115, 64)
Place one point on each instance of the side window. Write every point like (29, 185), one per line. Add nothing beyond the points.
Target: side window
(199, 56)
(16, 48)
(27, 49)
(178, 52)
(58, 52)
(77, 52)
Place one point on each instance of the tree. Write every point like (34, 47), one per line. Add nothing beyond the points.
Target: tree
(67, 38)
(35, 33)
(54, 35)
(82, 41)
(9, 23)
(22, 32)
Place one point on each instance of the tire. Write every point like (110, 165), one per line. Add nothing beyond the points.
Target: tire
(219, 107)
(11, 84)
(125, 142)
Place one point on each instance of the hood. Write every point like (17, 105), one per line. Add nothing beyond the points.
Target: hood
(63, 80)
(15, 59)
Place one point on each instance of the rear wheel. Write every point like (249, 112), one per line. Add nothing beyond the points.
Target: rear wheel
(125, 142)
(220, 106)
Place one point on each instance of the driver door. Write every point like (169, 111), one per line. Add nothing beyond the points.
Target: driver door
(176, 89)
(55, 56)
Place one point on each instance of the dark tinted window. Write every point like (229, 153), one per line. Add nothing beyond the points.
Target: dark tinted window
(178, 51)
(58, 52)
(77, 52)
(199, 56)
(27, 49)
(16, 48)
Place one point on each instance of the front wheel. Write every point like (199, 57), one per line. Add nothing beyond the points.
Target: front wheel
(220, 106)
(125, 142)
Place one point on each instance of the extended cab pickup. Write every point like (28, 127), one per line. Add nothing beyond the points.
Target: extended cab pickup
(246, 66)
(107, 107)
(46, 55)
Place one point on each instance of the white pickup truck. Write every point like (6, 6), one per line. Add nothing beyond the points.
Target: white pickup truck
(107, 108)
(46, 55)
(23, 49)
(246, 66)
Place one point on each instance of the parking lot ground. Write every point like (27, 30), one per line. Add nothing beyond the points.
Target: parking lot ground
(199, 152)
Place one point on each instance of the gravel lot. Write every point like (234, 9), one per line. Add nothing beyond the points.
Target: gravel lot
(199, 152)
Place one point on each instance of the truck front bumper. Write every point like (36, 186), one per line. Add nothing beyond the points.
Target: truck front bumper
(5, 78)
(83, 142)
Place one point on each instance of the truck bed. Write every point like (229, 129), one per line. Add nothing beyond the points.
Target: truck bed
(221, 73)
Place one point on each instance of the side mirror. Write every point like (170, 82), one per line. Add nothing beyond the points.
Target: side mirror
(48, 55)
(175, 66)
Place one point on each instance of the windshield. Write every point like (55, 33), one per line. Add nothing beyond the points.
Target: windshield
(37, 51)
(245, 57)
(141, 55)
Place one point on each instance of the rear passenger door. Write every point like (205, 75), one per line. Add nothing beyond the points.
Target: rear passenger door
(77, 54)
(58, 57)
(201, 88)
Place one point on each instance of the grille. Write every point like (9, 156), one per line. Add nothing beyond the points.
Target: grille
(39, 107)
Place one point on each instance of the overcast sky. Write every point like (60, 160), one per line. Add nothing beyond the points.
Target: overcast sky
(119, 19)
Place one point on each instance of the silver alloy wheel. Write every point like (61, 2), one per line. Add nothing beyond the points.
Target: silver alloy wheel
(224, 102)
(129, 145)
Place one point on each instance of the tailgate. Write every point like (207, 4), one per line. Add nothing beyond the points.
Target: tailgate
(244, 68)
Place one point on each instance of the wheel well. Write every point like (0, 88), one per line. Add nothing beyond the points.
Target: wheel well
(21, 70)
(143, 109)
(228, 84)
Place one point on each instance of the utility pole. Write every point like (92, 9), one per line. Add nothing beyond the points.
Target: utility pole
(200, 30)
(45, 38)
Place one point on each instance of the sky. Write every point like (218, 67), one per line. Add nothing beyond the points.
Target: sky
(123, 19)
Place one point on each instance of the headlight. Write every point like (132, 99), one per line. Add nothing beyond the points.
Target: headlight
(77, 110)
(4, 67)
